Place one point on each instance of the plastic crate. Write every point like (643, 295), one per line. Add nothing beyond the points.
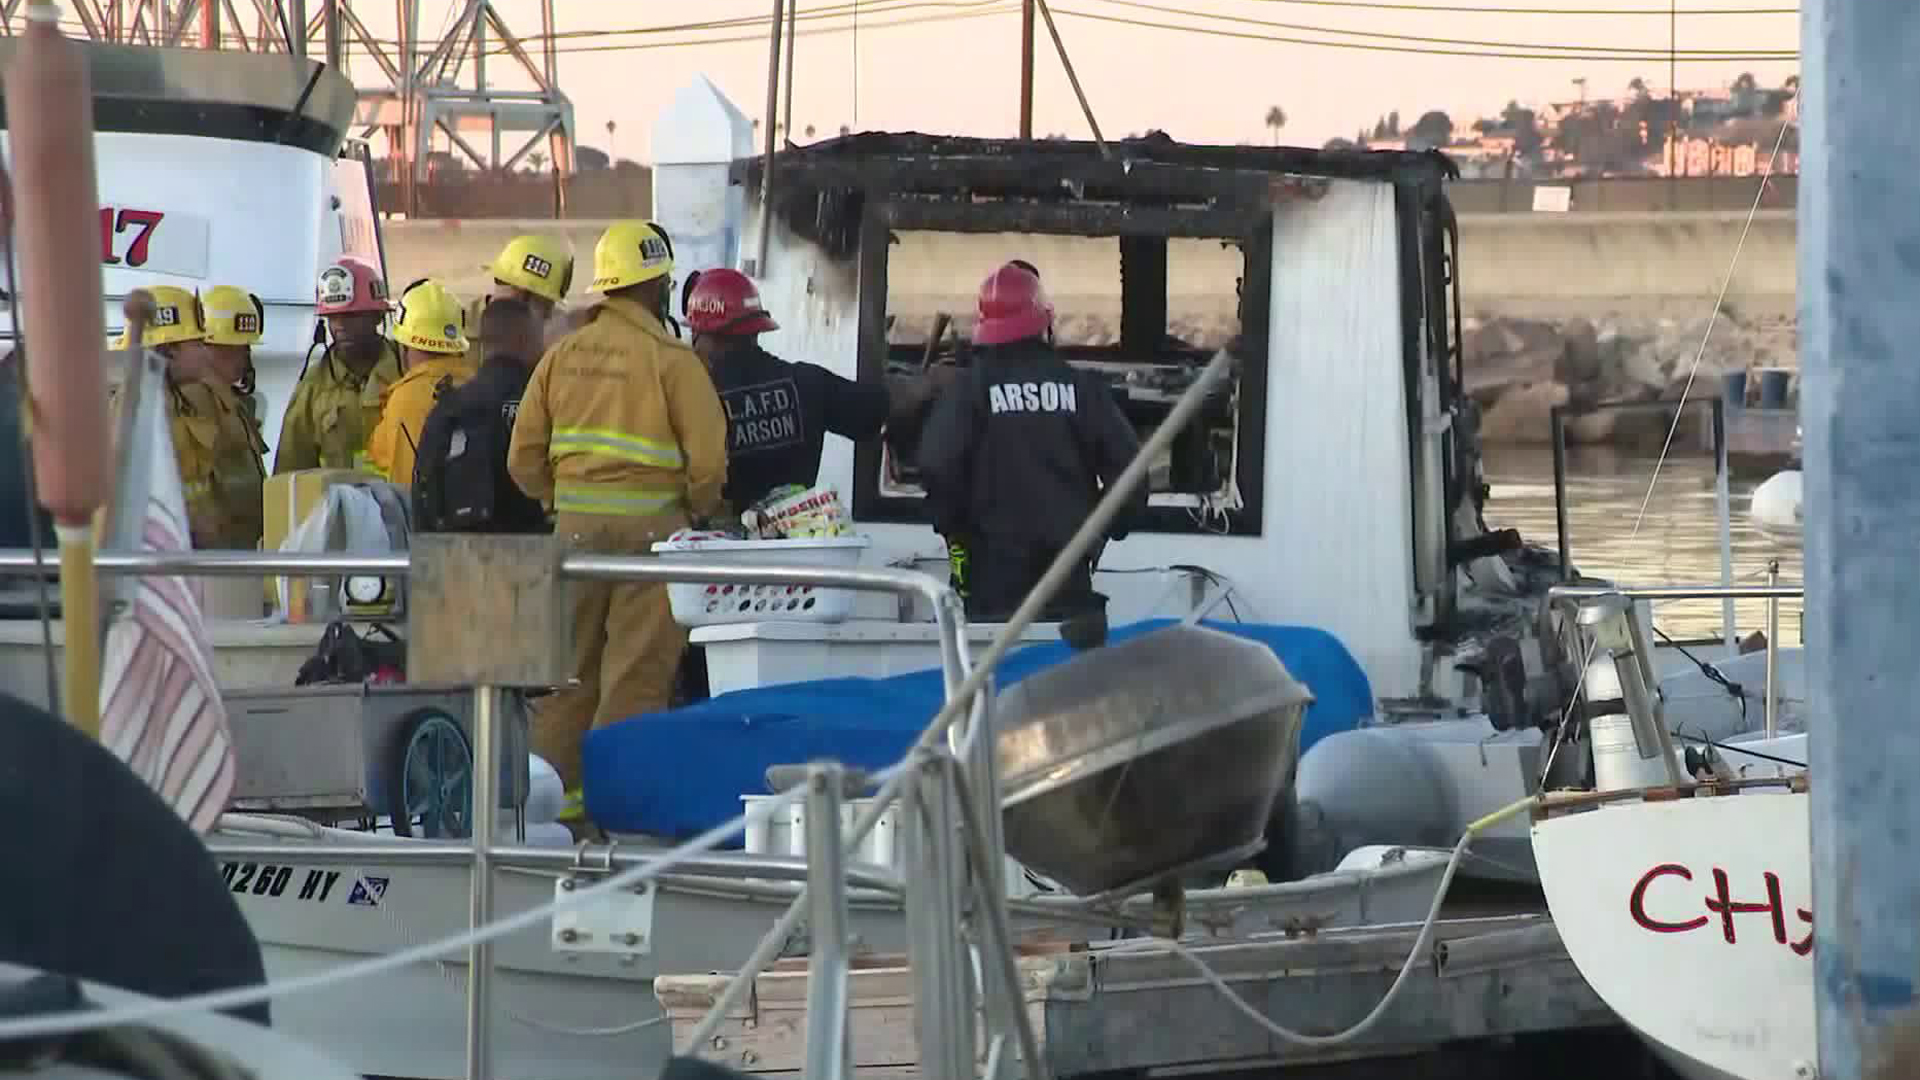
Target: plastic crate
(705, 604)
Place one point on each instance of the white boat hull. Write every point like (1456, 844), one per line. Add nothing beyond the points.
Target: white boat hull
(564, 1016)
(1692, 919)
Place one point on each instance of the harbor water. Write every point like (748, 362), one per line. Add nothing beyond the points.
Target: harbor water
(1676, 540)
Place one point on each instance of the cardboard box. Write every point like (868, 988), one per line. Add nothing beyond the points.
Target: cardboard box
(288, 498)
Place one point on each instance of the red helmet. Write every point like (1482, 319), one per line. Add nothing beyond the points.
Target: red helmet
(348, 287)
(726, 302)
(1013, 307)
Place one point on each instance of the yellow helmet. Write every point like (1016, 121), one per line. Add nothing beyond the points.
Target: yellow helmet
(176, 317)
(542, 265)
(428, 317)
(630, 253)
(232, 317)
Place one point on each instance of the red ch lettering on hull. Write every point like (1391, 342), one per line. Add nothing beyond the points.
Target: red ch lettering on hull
(116, 222)
(1720, 903)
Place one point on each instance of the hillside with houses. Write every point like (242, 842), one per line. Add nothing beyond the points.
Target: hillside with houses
(1726, 132)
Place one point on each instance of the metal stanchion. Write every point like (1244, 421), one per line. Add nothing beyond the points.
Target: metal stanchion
(942, 974)
(827, 977)
(1773, 649)
(487, 706)
(995, 949)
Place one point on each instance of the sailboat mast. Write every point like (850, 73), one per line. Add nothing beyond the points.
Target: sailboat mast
(1859, 250)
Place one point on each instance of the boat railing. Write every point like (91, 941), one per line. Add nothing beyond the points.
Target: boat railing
(932, 784)
(1772, 592)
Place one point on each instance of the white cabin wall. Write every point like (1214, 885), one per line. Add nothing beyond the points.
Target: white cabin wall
(246, 214)
(1338, 522)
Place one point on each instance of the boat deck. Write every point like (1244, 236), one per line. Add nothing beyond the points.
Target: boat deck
(1129, 1006)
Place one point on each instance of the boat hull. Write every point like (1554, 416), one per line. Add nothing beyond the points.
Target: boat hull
(560, 1015)
(1691, 918)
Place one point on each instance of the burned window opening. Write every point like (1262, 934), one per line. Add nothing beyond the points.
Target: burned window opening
(1209, 481)
(852, 195)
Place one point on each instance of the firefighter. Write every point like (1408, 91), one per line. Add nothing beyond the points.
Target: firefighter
(335, 405)
(209, 432)
(430, 328)
(778, 412)
(234, 321)
(243, 319)
(1016, 452)
(620, 431)
(460, 481)
(535, 269)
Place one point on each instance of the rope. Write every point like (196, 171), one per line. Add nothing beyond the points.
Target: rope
(1422, 943)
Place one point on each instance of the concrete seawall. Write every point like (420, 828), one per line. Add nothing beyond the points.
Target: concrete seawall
(1540, 265)
(1561, 308)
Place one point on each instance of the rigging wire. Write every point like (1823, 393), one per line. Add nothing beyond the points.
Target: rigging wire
(1564, 729)
(1484, 9)
(1425, 39)
(1593, 53)
(843, 18)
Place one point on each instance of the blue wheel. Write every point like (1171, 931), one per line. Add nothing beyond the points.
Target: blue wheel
(432, 782)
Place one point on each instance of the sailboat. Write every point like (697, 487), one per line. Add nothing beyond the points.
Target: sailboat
(1681, 881)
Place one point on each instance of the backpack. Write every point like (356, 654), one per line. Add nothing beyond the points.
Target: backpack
(456, 479)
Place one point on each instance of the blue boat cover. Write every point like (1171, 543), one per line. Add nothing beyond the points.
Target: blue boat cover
(678, 773)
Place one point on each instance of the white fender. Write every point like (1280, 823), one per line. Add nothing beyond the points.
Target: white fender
(1775, 507)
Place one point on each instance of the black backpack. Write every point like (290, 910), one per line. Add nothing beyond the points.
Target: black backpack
(455, 478)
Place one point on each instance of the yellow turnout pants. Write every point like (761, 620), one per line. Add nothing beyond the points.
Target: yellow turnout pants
(626, 645)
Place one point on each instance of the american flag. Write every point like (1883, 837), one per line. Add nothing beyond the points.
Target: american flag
(160, 705)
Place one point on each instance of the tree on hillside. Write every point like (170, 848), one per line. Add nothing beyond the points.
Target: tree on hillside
(1792, 83)
(1746, 83)
(1521, 123)
(589, 158)
(1276, 119)
(1337, 143)
(1393, 124)
(1434, 128)
(1638, 86)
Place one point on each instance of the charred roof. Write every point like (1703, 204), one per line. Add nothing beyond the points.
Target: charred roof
(1149, 185)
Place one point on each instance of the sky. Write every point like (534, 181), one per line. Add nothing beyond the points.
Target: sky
(952, 66)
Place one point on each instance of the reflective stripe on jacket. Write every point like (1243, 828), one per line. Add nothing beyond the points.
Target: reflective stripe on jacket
(621, 419)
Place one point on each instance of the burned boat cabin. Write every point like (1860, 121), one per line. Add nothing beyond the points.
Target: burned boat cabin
(1187, 230)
